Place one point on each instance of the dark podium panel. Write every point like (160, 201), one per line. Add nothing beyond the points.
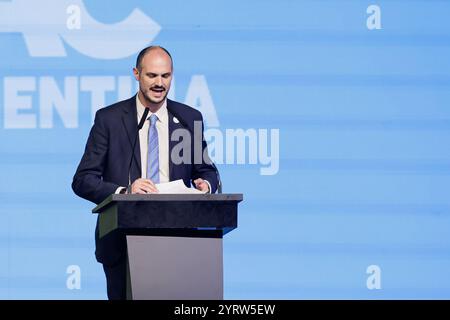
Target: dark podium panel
(174, 241)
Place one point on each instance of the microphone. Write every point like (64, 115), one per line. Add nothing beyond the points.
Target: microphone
(139, 127)
(219, 181)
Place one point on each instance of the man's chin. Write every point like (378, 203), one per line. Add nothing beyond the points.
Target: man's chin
(156, 100)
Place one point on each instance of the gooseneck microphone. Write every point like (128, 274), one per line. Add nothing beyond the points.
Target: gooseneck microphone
(139, 127)
(219, 182)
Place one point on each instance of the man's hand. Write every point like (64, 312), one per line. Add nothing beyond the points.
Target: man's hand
(143, 186)
(201, 185)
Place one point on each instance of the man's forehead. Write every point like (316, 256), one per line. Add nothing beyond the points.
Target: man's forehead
(156, 55)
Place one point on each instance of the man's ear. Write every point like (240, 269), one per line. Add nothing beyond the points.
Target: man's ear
(136, 74)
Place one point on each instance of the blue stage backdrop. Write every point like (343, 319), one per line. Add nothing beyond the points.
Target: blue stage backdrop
(329, 116)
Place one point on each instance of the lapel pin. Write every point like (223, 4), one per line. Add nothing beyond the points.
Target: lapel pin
(176, 120)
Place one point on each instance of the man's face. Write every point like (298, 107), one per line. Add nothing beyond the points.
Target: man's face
(154, 76)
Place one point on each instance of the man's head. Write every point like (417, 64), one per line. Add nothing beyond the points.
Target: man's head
(153, 70)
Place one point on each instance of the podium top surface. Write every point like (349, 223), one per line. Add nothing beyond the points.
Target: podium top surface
(167, 197)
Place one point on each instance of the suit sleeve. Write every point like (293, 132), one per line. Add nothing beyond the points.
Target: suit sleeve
(204, 169)
(87, 181)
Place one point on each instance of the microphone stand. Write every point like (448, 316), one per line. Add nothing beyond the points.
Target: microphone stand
(140, 125)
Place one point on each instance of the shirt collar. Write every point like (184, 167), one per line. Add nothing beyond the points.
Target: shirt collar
(162, 112)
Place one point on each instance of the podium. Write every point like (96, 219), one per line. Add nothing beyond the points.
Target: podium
(174, 242)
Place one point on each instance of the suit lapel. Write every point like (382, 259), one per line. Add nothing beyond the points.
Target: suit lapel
(173, 125)
(129, 120)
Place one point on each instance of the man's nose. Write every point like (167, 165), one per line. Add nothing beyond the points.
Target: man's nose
(158, 81)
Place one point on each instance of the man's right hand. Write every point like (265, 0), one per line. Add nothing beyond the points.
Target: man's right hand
(143, 186)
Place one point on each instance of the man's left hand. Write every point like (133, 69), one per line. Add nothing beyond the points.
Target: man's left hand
(201, 185)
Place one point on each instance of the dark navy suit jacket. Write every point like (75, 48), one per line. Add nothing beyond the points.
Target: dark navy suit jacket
(104, 165)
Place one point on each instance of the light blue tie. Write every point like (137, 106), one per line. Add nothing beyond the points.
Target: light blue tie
(153, 151)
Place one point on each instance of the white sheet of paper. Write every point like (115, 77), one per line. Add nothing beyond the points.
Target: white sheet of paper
(176, 186)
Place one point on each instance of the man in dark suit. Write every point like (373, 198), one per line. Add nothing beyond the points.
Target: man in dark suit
(104, 167)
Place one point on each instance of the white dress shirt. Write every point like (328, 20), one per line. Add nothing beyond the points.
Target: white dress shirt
(162, 126)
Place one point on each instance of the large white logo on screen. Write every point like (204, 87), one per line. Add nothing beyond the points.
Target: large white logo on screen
(45, 27)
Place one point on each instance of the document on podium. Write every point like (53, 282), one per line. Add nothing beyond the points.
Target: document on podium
(176, 187)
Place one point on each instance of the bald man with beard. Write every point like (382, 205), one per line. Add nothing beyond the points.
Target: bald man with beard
(104, 166)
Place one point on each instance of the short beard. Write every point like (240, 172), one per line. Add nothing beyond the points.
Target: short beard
(149, 100)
